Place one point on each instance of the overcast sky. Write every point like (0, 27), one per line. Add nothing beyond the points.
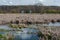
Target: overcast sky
(30, 2)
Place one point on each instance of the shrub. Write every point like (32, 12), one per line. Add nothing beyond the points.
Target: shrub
(17, 22)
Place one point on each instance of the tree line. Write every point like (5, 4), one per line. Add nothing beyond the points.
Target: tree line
(29, 9)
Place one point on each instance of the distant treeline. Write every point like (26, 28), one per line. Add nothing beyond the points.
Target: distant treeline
(29, 9)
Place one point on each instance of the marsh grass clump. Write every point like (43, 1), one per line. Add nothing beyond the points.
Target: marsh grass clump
(17, 21)
(58, 20)
(11, 22)
(49, 37)
(1, 36)
(52, 21)
(17, 26)
(11, 38)
(10, 25)
(40, 34)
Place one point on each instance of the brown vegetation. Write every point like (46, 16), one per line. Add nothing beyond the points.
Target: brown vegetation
(31, 18)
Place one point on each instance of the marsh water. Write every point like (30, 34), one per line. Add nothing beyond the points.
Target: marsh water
(52, 24)
(26, 33)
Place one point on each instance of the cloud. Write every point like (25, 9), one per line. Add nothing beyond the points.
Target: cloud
(29, 2)
(51, 2)
(41, 0)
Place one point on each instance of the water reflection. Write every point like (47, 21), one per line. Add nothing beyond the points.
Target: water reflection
(5, 27)
(25, 34)
(54, 24)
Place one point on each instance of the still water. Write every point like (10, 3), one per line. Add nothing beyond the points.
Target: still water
(25, 34)
(52, 24)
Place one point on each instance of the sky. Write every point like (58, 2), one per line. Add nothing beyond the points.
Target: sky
(30, 2)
